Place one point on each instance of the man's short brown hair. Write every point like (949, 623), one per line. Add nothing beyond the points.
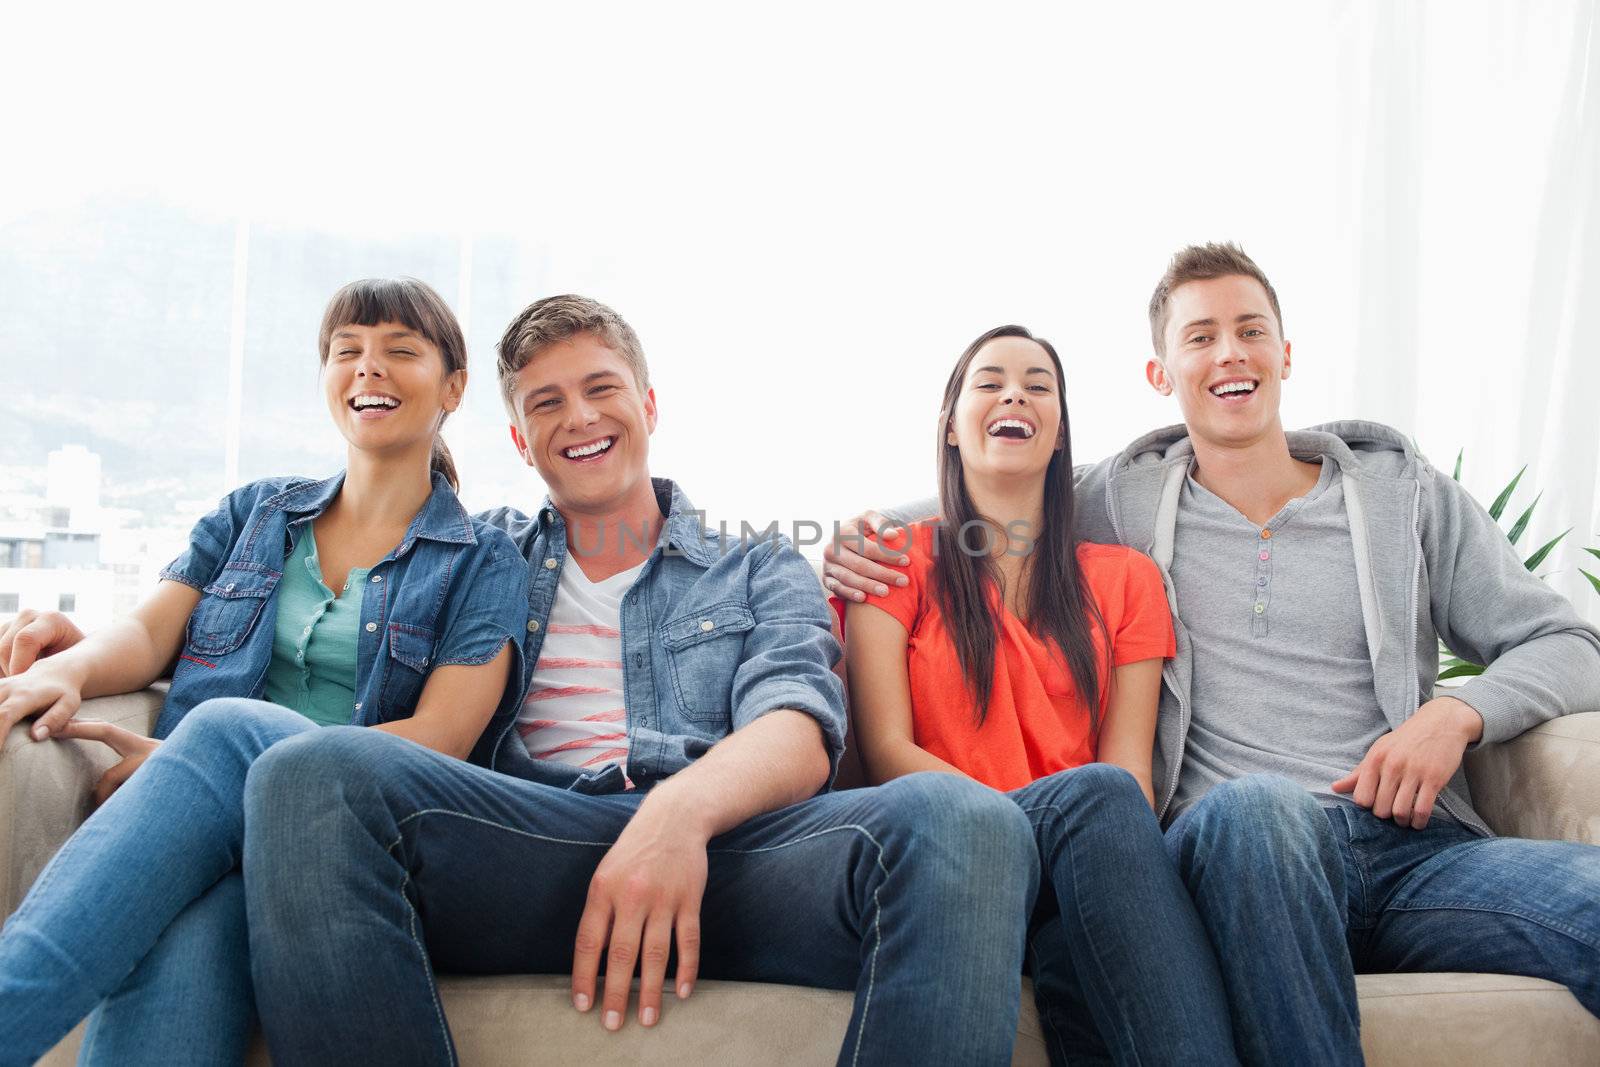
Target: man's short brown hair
(1199, 263)
(559, 318)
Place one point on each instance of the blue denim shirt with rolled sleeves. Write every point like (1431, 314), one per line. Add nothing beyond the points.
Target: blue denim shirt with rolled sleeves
(716, 632)
(438, 598)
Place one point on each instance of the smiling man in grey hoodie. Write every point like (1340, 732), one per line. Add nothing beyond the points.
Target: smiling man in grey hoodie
(1308, 776)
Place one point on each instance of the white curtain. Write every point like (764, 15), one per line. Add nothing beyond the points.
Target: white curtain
(1472, 201)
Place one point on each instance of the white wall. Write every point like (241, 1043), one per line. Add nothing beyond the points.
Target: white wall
(807, 213)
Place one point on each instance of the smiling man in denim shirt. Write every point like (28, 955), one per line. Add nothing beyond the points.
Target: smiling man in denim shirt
(663, 793)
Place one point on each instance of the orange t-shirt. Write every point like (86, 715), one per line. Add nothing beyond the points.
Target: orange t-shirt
(1037, 724)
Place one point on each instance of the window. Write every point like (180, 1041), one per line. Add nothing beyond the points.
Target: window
(9, 602)
(69, 602)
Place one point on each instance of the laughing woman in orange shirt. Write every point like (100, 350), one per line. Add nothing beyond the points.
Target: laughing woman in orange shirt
(1031, 662)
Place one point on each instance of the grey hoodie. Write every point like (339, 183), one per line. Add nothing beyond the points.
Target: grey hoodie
(1431, 564)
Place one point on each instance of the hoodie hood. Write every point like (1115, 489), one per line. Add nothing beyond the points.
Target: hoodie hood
(1358, 447)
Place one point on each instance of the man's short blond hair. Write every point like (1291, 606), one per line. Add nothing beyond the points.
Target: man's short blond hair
(1199, 263)
(559, 318)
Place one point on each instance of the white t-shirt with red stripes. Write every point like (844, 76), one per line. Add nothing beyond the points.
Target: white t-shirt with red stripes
(574, 711)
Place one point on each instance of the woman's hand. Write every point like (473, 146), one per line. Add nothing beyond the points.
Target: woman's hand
(33, 635)
(855, 564)
(133, 749)
(48, 689)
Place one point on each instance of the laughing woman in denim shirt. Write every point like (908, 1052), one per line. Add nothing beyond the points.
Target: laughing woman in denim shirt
(369, 599)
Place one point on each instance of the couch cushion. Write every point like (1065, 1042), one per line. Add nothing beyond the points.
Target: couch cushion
(1415, 1020)
(1424, 1019)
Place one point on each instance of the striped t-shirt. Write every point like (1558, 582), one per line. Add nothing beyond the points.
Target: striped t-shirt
(574, 710)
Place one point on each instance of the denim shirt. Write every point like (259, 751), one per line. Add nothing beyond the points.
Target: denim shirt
(437, 599)
(716, 632)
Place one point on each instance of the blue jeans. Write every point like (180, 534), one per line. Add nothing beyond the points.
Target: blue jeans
(1301, 897)
(142, 911)
(1122, 968)
(371, 863)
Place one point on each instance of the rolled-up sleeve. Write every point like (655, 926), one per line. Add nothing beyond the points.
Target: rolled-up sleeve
(489, 604)
(212, 539)
(790, 652)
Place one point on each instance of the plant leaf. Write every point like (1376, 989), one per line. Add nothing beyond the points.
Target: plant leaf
(1544, 550)
(1457, 474)
(1504, 498)
(1460, 672)
(1595, 552)
(1592, 579)
(1522, 523)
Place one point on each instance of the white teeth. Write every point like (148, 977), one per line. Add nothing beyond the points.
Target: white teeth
(1234, 387)
(1001, 424)
(366, 401)
(589, 450)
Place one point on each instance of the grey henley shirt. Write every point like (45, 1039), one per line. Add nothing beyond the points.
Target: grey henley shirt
(1283, 682)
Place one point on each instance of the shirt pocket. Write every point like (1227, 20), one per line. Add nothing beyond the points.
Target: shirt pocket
(229, 609)
(704, 649)
(405, 670)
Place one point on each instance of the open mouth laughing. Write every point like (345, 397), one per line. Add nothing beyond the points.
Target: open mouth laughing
(1013, 429)
(373, 405)
(1234, 390)
(589, 451)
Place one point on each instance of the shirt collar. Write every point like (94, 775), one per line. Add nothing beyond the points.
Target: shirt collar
(442, 517)
(684, 530)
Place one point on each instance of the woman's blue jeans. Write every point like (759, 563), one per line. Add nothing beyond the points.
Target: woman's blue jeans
(1122, 967)
(140, 916)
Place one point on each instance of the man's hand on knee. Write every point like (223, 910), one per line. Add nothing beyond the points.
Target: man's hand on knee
(1403, 772)
(648, 888)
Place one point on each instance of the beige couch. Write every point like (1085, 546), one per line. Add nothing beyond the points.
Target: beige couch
(1543, 784)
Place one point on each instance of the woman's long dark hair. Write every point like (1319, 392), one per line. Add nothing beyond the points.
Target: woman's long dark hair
(1059, 605)
(415, 306)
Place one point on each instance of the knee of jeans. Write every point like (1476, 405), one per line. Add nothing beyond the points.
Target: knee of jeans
(298, 776)
(211, 721)
(225, 720)
(949, 816)
(1093, 784)
(1256, 813)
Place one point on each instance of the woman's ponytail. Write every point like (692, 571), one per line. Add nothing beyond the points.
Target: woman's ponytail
(442, 462)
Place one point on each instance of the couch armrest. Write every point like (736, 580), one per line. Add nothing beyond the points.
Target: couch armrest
(45, 787)
(1544, 783)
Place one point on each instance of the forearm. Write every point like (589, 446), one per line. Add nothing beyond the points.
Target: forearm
(775, 761)
(456, 705)
(1552, 675)
(886, 760)
(429, 735)
(121, 658)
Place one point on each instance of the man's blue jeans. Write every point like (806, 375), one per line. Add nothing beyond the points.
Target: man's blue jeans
(1122, 968)
(1297, 898)
(370, 863)
(142, 911)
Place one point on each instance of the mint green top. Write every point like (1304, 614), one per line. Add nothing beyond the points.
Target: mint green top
(313, 668)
